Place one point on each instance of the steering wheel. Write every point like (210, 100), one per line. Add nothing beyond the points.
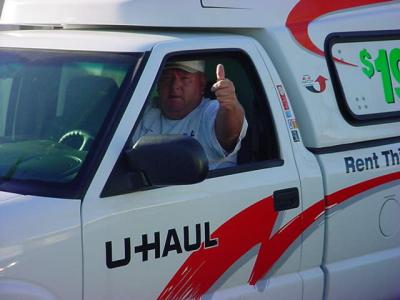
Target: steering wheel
(84, 135)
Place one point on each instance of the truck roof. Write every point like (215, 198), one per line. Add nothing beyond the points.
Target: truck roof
(99, 40)
(84, 40)
(175, 13)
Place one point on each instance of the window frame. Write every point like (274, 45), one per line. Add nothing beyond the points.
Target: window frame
(350, 37)
(120, 170)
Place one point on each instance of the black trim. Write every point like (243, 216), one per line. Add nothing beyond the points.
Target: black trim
(224, 7)
(350, 37)
(355, 146)
(273, 163)
(76, 188)
(122, 182)
(286, 199)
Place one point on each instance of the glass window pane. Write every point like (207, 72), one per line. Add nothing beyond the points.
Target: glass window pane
(52, 105)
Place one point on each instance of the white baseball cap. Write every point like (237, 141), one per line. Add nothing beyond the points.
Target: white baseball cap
(191, 66)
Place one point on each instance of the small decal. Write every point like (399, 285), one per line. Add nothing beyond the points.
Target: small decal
(292, 123)
(288, 114)
(315, 86)
(283, 97)
(295, 136)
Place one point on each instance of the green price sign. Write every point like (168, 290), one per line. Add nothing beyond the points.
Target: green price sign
(388, 67)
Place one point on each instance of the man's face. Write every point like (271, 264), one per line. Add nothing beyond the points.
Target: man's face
(180, 92)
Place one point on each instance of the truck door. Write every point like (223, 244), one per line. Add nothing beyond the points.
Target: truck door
(213, 239)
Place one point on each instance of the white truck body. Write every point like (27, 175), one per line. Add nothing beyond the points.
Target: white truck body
(313, 214)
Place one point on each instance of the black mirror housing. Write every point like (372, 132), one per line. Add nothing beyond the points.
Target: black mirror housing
(168, 160)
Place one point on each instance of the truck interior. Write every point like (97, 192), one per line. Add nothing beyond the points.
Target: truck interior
(260, 143)
(53, 104)
(259, 148)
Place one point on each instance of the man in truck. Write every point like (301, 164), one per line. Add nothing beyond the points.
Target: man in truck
(218, 124)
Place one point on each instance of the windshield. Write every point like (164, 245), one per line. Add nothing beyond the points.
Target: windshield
(52, 105)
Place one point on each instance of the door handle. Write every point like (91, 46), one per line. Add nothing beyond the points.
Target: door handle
(286, 199)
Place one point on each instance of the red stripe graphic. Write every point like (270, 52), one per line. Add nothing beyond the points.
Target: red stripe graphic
(306, 11)
(273, 248)
(236, 237)
(346, 193)
(248, 228)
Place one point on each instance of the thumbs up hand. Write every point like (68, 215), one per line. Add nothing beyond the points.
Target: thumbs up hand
(230, 117)
(224, 89)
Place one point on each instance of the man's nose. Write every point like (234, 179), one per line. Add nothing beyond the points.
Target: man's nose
(176, 83)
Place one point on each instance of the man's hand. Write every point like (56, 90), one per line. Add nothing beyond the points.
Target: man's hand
(231, 114)
(224, 89)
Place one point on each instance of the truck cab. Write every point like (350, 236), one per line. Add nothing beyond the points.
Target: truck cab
(310, 210)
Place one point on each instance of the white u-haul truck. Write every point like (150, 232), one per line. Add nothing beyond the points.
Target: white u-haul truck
(310, 211)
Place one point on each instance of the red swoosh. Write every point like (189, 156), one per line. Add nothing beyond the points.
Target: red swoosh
(322, 83)
(346, 193)
(273, 248)
(306, 11)
(248, 228)
(236, 237)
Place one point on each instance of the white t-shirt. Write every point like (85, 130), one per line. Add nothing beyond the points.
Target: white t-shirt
(200, 124)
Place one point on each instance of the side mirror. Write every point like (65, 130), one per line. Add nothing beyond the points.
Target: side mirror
(168, 160)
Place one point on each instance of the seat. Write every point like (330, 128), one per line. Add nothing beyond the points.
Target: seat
(87, 101)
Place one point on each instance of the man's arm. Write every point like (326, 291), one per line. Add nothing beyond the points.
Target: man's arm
(230, 116)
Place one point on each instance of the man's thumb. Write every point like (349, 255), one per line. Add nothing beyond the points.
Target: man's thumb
(220, 72)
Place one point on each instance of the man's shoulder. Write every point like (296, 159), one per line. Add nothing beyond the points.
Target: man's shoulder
(152, 112)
